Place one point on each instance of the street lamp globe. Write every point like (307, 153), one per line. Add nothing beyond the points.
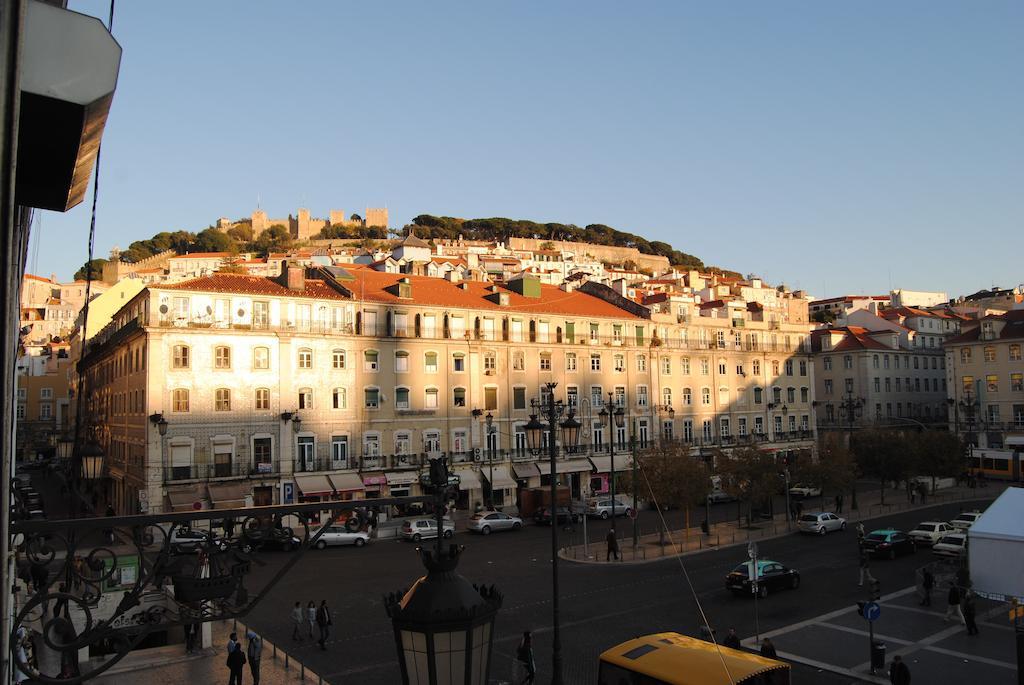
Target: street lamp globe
(444, 625)
(65, 448)
(603, 413)
(535, 434)
(571, 432)
(620, 417)
(92, 457)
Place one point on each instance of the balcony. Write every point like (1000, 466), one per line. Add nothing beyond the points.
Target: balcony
(213, 471)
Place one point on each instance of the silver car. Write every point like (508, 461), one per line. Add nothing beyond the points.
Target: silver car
(339, 535)
(487, 521)
(606, 507)
(422, 529)
(952, 545)
(820, 523)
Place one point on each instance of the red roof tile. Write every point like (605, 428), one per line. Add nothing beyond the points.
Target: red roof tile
(254, 285)
(203, 255)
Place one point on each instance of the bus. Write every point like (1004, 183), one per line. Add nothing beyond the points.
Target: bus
(674, 659)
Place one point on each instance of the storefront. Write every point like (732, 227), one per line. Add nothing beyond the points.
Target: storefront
(185, 498)
(313, 488)
(348, 486)
(600, 478)
(401, 483)
(229, 495)
(570, 472)
(375, 485)
(471, 490)
(503, 488)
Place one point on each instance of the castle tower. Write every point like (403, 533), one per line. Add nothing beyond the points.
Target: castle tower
(376, 216)
(337, 217)
(259, 222)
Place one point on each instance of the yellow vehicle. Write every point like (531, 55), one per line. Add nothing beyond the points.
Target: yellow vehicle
(674, 659)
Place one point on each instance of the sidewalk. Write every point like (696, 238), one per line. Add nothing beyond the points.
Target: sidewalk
(170, 666)
(727, 534)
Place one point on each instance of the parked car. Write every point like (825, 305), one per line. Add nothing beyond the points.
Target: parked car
(771, 576)
(424, 529)
(928, 532)
(820, 523)
(802, 491)
(282, 542)
(487, 521)
(603, 507)
(336, 536)
(889, 543)
(716, 496)
(965, 520)
(563, 514)
(185, 540)
(952, 545)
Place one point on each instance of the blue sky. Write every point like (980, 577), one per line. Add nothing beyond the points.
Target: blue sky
(836, 147)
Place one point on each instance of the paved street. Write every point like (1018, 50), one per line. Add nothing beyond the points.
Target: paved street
(601, 605)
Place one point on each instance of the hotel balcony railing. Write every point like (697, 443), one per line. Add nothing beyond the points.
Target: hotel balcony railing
(211, 471)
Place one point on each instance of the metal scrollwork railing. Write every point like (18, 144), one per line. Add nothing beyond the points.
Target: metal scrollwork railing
(106, 584)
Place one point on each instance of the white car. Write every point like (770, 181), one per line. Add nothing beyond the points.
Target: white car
(820, 523)
(965, 520)
(487, 521)
(929, 532)
(952, 545)
(422, 529)
(336, 536)
(801, 490)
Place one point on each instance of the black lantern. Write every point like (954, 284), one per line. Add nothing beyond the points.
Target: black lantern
(92, 457)
(620, 417)
(444, 625)
(296, 423)
(535, 434)
(160, 422)
(65, 448)
(571, 432)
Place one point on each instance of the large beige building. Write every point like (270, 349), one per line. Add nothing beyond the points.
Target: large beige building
(330, 382)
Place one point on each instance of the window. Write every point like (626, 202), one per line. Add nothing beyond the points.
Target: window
(179, 400)
(371, 398)
(458, 362)
(516, 330)
(641, 363)
(705, 396)
(459, 397)
(595, 362)
(401, 361)
(878, 384)
(666, 430)
(491, 362)
(1014, 353)
(775, 367)
(803, 367)
(758, 396)
(22, 394)
(826, 363)
(490, 398)
(705, 367)
(403, 442)
(222, 357)
(339, 398)
(721, 367)
(400, 324)
(989, 353)
(666, 397)
(371, 445)
(430, 398)
(641, 395)
(519, 398)
(666, 366)
(545, 361)
(1016, 382)
(429, 326)
(305, 398)
(261, 358)
(708, 431)
(723, 427)
(305, 358)
(370, 360)
(222, 399)
(456, 327)
(789, 367)
(759, 425)
(791, 395)
(965, 355)
(459, 441)
(688, 430)
(181, 357)
(339, 451)
(828, 386)
(262, 399)
(684, 366)
(596, 396)
(777, 395)
(992, 383)
(967, 383)
(619, 363)
(46, 393)
(430, 362)
(401, 398)
(595, 332)
(570, 361)
(338, 359)
(431, 441)
(518, 361)
(849, 385)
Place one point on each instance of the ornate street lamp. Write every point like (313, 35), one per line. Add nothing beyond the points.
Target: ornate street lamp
(65, 449)
(160, 422)
(92, 457)
(535, 435)
(571, 432)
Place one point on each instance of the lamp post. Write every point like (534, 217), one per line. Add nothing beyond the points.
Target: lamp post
(618, 416)
(535, 440)
(850, 409)
(443, 625)
(490, 461)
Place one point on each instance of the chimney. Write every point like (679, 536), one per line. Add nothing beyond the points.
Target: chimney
(452, 276)
(296, 277)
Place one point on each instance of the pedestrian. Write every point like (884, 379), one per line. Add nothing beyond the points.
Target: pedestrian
(768, 649)
(229, 527)
(236, 660)
(704, 528)
(838, 502)
(953, 610)
(969, 611)
(254, 651)
(613, 546)
(911, 491)
(923, 490)
(842, 498)
(799, 508)
(311, 617)
(191, 632)
(860, 534)
(232, 641)
(732, 640)
(297, 618)
(927, 583)
(792, 511)
(899, 674)
(865, 566)
(324, 623)
(524, 657)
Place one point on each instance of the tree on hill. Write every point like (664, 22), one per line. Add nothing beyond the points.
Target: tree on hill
(242, 232)
(91, 269)
(214, 240)
(276, 237)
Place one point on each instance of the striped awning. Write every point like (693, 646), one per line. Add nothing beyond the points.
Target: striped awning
(565, 466)
(314, 485)
(228, 495)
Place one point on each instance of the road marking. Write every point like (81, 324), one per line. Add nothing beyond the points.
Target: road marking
(864, 633)
(972, 657)
(832, 668)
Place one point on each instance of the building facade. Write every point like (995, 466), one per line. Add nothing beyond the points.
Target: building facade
(338, 383)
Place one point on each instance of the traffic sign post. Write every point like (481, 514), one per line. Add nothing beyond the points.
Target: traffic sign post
(752, 553)
(872, 611)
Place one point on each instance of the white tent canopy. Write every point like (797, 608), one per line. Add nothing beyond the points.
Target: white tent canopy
(996, 548)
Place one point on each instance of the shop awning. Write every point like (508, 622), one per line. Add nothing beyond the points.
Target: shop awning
(564, 466)
(346, 482)
(603, 464)
(185, 499)
(402, 477)
(316, 485)
(228, 495)
(468, 480)
(501, 478)
(524, 470)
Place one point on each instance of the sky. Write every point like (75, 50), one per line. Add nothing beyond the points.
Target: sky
(834, 147)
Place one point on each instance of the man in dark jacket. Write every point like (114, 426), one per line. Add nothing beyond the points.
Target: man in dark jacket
(613, 546)
(899, 674)
(236, 660)
(732, 640)
(969, 610)
(323, 623)
(927, 583)
(768, 649)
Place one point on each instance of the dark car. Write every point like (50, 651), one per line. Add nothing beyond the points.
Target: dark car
(771, 576)
(888, 543)
(563, 514)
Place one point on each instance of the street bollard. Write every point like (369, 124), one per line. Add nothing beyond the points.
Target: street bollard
(286, 661)
(302, 671)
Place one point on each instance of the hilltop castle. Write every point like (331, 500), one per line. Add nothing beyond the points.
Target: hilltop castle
(303, 226)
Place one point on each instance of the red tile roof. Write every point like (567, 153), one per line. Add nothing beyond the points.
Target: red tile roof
(39, 278)
(203, 255)
(253, 285)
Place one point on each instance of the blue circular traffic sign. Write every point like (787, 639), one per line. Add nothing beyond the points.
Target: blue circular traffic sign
(872, 611)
